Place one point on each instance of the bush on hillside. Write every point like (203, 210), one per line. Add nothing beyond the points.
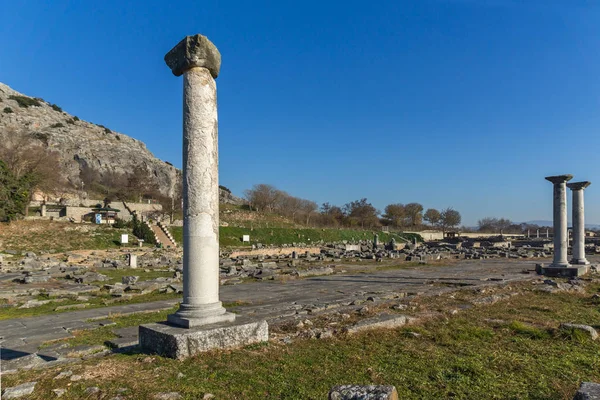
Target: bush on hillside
(24, 101)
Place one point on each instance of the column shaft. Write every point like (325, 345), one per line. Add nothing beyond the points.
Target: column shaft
(578, 223)
(560, 225)
(200, 188)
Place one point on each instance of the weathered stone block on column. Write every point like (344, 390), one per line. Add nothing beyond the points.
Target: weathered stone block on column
(199, 61)
(577, 189)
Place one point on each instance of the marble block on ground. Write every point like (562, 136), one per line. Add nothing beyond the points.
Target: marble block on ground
(176, 342)
(358, 392)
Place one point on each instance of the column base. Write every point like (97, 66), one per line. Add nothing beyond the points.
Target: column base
(189, 316)
(569, 272)
(180, 343)
(581, 261)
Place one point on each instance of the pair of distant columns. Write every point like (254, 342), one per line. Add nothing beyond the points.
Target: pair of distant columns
(560, 221)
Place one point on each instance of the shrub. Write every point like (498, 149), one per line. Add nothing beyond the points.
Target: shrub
(142, 231)
(57, 125)
(119, 223)
(42, 137)
(106, 130)
(56, 108)
(224, 188)
(70, 121)
(75, 118)
(8, 110)
(24, 101)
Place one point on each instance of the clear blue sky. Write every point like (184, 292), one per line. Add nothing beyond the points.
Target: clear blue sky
(450, 103)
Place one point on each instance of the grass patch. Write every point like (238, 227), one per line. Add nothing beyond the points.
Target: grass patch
(115, 275)
(97, 301)
(58, 236)
(105, 333)
(232, 236)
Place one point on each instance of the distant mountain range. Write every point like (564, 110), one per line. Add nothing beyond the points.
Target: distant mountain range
(549, 223)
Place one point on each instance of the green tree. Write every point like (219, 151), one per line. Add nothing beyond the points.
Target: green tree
(14, 194)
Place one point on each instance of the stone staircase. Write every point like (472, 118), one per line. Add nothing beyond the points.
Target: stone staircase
(162, 235)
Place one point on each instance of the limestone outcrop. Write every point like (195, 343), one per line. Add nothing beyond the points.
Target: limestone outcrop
(81, 143)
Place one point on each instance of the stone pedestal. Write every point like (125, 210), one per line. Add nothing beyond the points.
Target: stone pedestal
(571, 271)
(560, 220)
(578, 223)
(176, 342)
(199, 61)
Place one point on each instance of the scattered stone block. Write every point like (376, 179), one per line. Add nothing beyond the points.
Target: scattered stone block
(129, 280)
(384, 321)
(584, 328)
(17, 392)
(369, 392)
(588, 391)
(167, 396)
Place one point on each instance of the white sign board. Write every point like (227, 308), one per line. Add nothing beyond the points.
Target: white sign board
(124, 239)
(246, 238)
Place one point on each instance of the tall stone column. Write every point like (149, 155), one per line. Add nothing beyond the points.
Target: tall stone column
(201, 323)
(560, 219)
(199, 61)
(578, 223)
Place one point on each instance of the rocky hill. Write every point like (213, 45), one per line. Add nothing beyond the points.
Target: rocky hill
(82, 144)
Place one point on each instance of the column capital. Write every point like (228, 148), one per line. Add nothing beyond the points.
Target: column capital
(578, 185)
(194, 51)
(559, 178)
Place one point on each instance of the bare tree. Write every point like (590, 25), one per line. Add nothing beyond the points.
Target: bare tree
(449, 218)
(263, 197)
(394, 215)
(35, 166)
(414, 214)
(432, 216)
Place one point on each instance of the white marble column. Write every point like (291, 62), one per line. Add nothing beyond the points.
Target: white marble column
(560, 219)
(578, 223)
(199, 61)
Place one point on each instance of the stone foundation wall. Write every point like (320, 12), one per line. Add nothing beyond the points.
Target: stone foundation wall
(275, 251)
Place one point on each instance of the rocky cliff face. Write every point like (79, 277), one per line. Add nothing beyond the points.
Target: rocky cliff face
(82, 143)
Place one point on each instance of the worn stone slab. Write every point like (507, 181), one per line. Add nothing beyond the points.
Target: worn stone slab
(16, 392)
(123, 343)
(22, 363)
(368, 392)
(175, 342)
(384, 321)
(588, 391)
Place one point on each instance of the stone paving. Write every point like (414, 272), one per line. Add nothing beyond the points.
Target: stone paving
(271, 300)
